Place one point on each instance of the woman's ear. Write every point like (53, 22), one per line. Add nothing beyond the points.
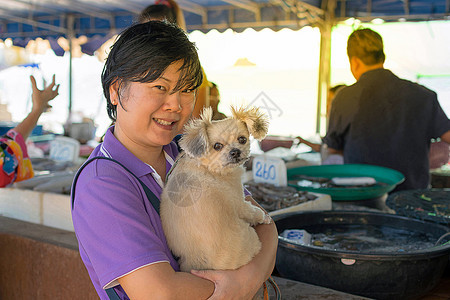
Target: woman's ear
(114, 93)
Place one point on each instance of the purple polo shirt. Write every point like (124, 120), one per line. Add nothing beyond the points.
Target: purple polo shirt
(118, 230)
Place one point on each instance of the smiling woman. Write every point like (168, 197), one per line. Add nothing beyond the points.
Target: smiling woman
(151, 113)
(149, 81)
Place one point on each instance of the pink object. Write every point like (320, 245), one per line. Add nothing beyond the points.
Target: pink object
(439, 154)
(274, 141)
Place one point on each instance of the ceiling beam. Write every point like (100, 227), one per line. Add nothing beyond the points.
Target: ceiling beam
(302, 9)
(194, 8)
(27, 6)
(311, 8)
(343, 8)
(245, 4)
(286, 8)
(125, 5)
(313, 14)
(4, 14)
(79, 7)
(406, 6)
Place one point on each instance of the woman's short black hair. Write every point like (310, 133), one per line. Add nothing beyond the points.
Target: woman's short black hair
(143, 52)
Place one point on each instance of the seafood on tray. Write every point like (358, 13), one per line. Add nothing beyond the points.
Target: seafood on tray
(334, 182)
(272, 197)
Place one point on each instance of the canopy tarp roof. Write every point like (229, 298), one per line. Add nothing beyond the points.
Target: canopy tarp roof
(22, 20)
(53, 18)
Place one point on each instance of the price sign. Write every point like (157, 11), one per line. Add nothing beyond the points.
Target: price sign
(64, 149)
(269, 170)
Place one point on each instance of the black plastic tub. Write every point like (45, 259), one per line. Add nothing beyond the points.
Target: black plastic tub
(397, 275)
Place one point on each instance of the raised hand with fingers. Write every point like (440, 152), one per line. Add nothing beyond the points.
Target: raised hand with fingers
(40, 98)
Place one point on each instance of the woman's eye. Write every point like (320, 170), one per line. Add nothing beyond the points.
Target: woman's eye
(242, 140)
(218, 146)
(160, 87)
(187, 91)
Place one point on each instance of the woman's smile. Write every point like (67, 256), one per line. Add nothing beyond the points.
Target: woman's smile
(165, 123)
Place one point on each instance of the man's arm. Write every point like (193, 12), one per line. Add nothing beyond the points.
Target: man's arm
(314, 146)
(446, 137)
(335, 151)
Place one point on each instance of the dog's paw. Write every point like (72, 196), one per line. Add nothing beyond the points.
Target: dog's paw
(267, 219)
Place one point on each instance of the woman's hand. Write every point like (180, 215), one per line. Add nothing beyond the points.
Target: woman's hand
(245, 282)
(40, 98)
(230, 284)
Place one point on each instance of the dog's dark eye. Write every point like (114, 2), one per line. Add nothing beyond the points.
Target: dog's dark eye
(218, 146)
(242, 140)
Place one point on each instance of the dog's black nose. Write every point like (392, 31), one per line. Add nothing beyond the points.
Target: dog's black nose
(235, 153)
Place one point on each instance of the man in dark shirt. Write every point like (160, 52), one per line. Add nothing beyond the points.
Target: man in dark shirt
(382, 119)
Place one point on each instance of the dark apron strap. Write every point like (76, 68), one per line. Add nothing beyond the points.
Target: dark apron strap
(112, 294)
(150, 196)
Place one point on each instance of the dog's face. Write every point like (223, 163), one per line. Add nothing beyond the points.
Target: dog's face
(224, 144)
(228, 145)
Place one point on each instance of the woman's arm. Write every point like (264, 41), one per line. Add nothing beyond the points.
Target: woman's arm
(244, 282)
(264, 262)
(40, 99)
(160, 281)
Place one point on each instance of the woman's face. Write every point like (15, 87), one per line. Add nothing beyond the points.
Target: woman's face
(152, 115)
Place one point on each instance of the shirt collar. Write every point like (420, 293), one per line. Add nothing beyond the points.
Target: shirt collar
(112, 148)
(375, 72)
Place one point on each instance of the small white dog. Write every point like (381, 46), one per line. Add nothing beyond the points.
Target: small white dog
(207, 221)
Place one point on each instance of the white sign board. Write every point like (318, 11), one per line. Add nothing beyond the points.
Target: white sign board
(269, 170)
(64, 148)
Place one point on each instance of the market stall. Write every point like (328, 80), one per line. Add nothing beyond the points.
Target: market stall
(274, 177)
(88, 24)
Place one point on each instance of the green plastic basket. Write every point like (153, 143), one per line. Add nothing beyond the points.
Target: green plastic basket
(389, 177)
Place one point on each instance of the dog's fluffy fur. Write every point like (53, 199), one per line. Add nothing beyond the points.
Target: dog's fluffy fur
(206, 220)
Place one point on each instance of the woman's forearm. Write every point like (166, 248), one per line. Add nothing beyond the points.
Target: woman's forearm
(27, 125)
(244, 282)
(264, 262)
(160, 281)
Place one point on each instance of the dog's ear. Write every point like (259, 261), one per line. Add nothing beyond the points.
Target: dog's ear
(257, 122)
(194, 140)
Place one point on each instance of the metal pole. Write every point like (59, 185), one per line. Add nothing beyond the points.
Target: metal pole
(70, 36)
(324, 71)
(324, 59)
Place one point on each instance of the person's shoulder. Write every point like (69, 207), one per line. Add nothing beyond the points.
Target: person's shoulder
(102, 167)
(414, 87)
(346, 94)
(104, 179)
(423, 90)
